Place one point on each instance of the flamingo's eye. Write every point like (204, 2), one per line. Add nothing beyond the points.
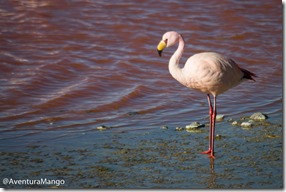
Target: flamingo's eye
(166, 41)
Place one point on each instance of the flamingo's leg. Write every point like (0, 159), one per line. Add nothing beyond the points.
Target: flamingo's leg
(212, 113)
(209, 151)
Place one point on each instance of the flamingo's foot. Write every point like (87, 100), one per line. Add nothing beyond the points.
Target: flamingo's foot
(210, 153)
(207, 152)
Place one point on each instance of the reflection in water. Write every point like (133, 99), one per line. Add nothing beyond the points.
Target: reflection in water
(212, 165)
(212, 177)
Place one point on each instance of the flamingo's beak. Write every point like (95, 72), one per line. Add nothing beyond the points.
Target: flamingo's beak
(161, 46)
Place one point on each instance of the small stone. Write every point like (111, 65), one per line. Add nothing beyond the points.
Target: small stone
(102, 127)
(258, 116)
(246, 124)
(251, 121)
(194, 125)
(218, 136)
(271, 136)
(196, 130)
(179, 128)
(219, 117)
(235, 123)
(164, 127)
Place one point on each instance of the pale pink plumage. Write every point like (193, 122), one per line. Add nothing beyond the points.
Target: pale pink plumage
(208, 72)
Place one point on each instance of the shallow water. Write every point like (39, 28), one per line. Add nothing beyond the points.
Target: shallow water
(69, 67)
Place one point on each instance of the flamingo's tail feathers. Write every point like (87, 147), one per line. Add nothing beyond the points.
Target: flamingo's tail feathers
(248, 75)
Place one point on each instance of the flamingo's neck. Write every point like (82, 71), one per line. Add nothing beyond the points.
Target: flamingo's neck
(174, 66)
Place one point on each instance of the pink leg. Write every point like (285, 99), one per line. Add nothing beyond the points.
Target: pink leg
(213, 128)
(210, 132)
(212, 113)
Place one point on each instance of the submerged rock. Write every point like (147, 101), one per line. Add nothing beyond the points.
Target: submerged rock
(251, 121)
(234, 123)
(164, 127)
(179, 128)
(246, 124)
(218, 137)
(194, 125)
(258, 116)
(219, 117)
(102, 127)
(272, 136)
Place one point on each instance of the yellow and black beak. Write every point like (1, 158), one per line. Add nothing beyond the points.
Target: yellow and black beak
(161, 46)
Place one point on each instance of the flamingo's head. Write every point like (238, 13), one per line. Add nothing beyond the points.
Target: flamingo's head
(169, 38)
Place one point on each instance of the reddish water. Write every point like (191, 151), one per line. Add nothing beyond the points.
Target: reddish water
(69, 67)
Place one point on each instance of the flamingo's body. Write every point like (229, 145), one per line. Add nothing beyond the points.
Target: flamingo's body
(208, 72)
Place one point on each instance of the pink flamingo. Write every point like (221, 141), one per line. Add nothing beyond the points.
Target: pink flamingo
(208, 72)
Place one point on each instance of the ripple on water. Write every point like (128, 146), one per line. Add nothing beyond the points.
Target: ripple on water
(80, 65)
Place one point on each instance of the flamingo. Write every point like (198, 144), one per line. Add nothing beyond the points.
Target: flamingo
(207, 72)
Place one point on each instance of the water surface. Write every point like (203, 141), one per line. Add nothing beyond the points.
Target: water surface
(69, 67)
